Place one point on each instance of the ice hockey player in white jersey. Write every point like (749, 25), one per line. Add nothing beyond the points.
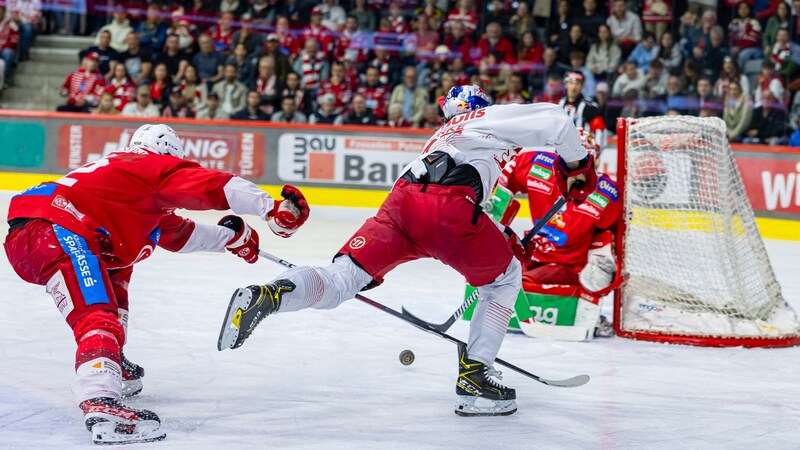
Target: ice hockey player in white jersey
(433, 211)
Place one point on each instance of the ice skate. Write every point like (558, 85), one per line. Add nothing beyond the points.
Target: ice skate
(247, 308)
(478, 392)
(132, 375)
(111, 422)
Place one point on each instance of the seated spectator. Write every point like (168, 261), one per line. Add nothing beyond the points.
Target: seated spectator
(691, 73)
(253, 110)
(174, 59)
(730, 72)
(211, 110)
(745, 35)
(311, 65)
(559, 24)
(232, 93)
(426, 39)
(235, 7)
(690, 32)
(138, 60)
(576, 42)
(768, 79)
(625, 26)
(143, 106)
(201, 11)
(83, 87)
(176, 107)
(395, 118)
(183, 27)
(631, 79)
(464, 13)
(243, 63)
(375, 94)
(194, 92)
(386, 65)
(108, 56)
(267, 85)
(152, 31)
(780, 20)
(644, 52)
(704, 98)
(606, 112)
(737, 113)
(9, 41)
(222, 33)
(513, 92)
(119, 28)
(655, 82)
(522, 22)
(590, 19)
(530, 52)
(769, 122)
(317, 32)
(333, 15)
(337, 87)
(656, 15)
(459, 43)
(209, 62)
(677, 96)
(431, 72)
(410, 97)
(576, 60)
(604, 55)
(121, 87)
(632, 107)
(282, 64)
(495, 12)
(553, 89)
(106, 105)
(266, 11)
(27, 14)
(326, 112)
(252, 40)
(292, 88)
(359, 114)
(711, 56)
(287, 43)
(781, 55)
(494, 43)
(431, 119)
(669, 52)
(160, 86)
(289, 112)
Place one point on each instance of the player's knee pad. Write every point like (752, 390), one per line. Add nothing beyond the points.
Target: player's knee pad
(504, 289)
(324, 287)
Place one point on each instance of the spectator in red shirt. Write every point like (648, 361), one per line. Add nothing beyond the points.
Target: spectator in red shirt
(222, 33)
(161, 85)
(397, 19)
(464, 13)
(375, 93)
(352, 43)
(83, 87)
(513, 92)
(289, 46)
(494, 43)
(9, 40)
(317, 32)
(530, 51)
(553, 90)
(426, 39)
(459, 43)
(336, 86)
(745, 35)
(121, 87)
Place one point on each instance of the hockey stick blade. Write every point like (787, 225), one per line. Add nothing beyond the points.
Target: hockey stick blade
(575, 381)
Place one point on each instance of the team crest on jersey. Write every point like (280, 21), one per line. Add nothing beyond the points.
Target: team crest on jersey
(357, 242)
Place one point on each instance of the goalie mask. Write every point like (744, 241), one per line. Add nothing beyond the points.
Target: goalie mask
(158, 138)
(463, 99)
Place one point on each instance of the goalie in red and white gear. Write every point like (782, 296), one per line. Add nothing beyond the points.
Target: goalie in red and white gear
(575, 248)
(81, 235)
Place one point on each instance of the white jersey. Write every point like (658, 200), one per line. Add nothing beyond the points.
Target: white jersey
(487, 138)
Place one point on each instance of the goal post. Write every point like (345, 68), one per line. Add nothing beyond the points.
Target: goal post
(698, 270)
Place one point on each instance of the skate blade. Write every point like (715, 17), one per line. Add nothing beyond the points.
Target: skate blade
(229, 332)
(466, 407)
(131, 387)
(106, 433)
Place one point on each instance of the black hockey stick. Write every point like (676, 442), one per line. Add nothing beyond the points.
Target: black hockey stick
(575, 381)
(471, 299)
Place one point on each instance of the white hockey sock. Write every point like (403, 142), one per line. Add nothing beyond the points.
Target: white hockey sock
(323, 287)
(97, 372)
(492, 313)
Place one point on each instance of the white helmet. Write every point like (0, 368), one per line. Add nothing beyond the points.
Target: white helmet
(158, 138)
(463, 99)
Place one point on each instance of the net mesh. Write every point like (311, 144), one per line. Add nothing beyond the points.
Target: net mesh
(694, 255)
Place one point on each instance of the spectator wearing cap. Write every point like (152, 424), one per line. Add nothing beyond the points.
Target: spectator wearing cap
(513, 93)
(173, 58)
(738, 112)
(590, 19)
(631, 79)
(282, 64)
(9, 41)
(409, 97)
(625, 26)
(232, 92)
(138, 60)
(119, 28)
(326, 112)
(152, 31)
(143, 106)
(243, 63)
(644, 52)
(83, 87)
(176, 107)
(374, 93)
(584, 112)
(604, 55)
(311, 65)
(317, 32)
(108, 56)
(222, 33)
(494, 43)
(768, 80)
(459, 43)
(121, 87)
(106, 105)
(365, 16)
(208, 61)
(252, 111)
(359, 114)
(333, 15)
(27, 14)
(464, 12)
(252, 40)
(267, 85)
(211, 110)
(289, 112)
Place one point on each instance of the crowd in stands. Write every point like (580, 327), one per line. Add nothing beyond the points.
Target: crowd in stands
(379, 62)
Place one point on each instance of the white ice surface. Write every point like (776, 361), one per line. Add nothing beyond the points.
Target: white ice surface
(332, 379)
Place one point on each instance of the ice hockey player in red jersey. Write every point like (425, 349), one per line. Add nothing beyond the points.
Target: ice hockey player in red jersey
(81, 235)
(434, 211)
(575, 248)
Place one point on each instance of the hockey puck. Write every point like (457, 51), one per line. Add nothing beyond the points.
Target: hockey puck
(406, 357)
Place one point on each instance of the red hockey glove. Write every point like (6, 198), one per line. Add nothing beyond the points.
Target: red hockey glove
(576, 184)
(521, 252)
(244, 243)
(290, 213)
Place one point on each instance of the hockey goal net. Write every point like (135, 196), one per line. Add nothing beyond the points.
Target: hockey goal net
(698, 270)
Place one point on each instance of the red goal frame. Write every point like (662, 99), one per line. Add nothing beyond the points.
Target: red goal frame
(683, 339)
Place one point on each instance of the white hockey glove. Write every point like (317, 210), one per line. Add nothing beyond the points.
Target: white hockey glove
(600, 269)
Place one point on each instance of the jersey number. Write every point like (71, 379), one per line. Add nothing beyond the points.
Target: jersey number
(86, 168)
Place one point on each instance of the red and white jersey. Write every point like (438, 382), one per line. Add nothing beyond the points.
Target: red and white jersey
(377, 98)
(132, 195)
(323, 37)
(83, 85)
(222, 39)
(487, 138)
(570, 232)
(342, 92)
(123, 92)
